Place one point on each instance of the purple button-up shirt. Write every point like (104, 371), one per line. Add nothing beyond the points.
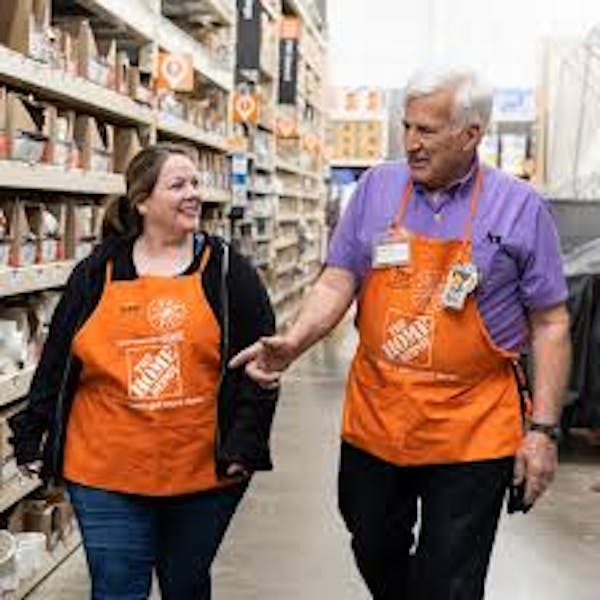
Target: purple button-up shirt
(515, 242)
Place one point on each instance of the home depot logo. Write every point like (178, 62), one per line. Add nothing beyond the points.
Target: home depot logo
(154, 371)
(408, 340)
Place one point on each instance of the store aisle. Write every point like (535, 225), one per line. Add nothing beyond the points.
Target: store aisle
(288, 543)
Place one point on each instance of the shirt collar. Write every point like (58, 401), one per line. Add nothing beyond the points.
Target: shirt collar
(439, 196)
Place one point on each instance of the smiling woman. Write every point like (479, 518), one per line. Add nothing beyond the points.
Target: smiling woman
(145, 423)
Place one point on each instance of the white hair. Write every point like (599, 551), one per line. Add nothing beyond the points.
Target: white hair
(473, 96)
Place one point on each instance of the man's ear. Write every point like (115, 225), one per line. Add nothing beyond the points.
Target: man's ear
(472, 137)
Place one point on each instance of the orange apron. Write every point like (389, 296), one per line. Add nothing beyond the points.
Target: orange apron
(427, 385)
(144, 417)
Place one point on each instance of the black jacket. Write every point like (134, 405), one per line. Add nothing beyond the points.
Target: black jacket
(245, 410)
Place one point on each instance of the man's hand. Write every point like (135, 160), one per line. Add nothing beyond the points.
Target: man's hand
(266, 359)
(535, 464)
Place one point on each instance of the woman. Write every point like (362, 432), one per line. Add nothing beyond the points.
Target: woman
(155, 438)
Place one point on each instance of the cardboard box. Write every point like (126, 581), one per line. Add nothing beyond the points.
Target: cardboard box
(96, 57)
(123, 73)
(62, 141)
(84, 225)
(21, 241)
(95, 143)
(47, 223)
(127, 145)
(29, 124)
(3, 124)
(67, 49)
(140, 86)
(24, 27)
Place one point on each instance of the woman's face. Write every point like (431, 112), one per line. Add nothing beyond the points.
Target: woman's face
(174, 205)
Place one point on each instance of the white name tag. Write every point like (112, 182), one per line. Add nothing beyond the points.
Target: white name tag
(391, 254)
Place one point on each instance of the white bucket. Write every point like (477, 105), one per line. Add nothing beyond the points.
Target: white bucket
(8, 566)
(31, 548)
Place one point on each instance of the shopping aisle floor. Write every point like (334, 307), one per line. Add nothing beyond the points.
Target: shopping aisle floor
(288, 543)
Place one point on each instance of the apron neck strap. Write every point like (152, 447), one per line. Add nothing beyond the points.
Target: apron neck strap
(475, 193)
(109, 271)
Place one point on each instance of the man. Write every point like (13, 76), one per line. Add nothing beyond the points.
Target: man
(455, 266)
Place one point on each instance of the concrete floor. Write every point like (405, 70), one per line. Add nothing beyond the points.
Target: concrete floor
(288, 543)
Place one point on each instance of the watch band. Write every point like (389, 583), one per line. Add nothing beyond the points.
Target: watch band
(552, 431)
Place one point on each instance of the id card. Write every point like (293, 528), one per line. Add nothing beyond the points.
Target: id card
(463, 279)
(391, 251)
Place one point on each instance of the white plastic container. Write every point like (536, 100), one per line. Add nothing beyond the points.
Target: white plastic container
(9, 580)
(31, 549)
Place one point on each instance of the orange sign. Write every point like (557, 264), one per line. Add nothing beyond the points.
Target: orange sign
(175, 72)
(245, 108)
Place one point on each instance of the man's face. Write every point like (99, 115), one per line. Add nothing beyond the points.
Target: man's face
(437, 150)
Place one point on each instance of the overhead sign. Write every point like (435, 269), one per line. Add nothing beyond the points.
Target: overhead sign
(175, 72)
(513, 105)
(288, 60)
(248, 34)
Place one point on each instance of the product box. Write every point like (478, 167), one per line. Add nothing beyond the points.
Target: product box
(29, 124)
(47, 223)
(96, 57)
(18, 236)
(3, 124)
(62, 140)
(95, 143)
(84, 224)
(127, 145)
(24, 27)
(67, 50)
(140, 86)
(123, 74)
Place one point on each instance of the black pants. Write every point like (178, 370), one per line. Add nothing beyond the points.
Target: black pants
(460, 507)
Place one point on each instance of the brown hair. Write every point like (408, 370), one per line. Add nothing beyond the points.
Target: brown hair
(122, 218)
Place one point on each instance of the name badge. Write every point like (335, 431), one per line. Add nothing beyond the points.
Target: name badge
(462, 280)
(391, 253)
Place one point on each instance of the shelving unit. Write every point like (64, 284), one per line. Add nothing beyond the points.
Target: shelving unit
(61, 552)
(139, 27)
(285, 210)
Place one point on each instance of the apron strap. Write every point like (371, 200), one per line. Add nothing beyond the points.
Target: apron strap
(475, 194)
(109, 271)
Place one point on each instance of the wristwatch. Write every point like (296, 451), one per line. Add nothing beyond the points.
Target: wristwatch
(552, 431)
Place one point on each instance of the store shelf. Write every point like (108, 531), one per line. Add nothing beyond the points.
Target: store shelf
(25, 73)
(287, 167)
(16, 489)
(152, 27)
(187, 131)
(13, 387)
(291, 218)
(262, 192)
(24, 280)
(218, 9)
(18, 175)
(264, 166)
(52, 559)
(283, 243)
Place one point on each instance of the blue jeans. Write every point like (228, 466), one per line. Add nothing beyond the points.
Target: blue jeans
(126, 537)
